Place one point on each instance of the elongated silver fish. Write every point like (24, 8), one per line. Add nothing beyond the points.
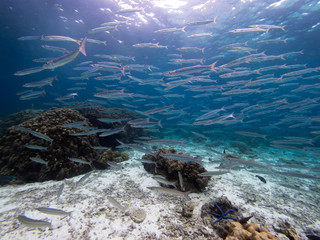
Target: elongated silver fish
(181, 181)
(36, 147)
(168, 191)
(212, 173)
(78, 160)
(53, 211)
(28, 71)
(81, 180)
(60, 190)
(34, 133)
(116, 204)
(33, 222)
(38, 160)
(58, 62)
(165, 181)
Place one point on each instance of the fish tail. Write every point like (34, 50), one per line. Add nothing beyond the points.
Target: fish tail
(159, 123)
(212, 66)
(82, 47)
(122, 70)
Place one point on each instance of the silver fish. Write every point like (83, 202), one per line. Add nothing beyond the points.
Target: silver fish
(53, 211)
(33, 222)
(58, 62)
(83, 179)
(181, 181)
(212, 173)
(168, 191)
(60, 190)
(116, 204)
(28, 71)
(78, 160)
(36, 147)
(38, 160)
(165, 181)
(34, 133)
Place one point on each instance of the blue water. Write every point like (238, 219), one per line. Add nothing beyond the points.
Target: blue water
(300, 20)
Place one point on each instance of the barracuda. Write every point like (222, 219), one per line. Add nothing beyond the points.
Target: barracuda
(58, 62)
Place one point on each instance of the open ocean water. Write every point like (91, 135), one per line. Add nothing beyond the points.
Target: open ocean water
(230, 77)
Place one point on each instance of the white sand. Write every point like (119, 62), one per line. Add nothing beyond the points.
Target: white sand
(93, 217)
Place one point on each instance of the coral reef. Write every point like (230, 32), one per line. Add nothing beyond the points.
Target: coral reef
(15, 157)
(111, 156)
(17, 118)
(169, 169)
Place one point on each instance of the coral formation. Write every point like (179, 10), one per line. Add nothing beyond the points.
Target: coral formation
(225, 205)
(169, 168)
(111, 156)
(229, 229)
(238, 231)
(15, 157)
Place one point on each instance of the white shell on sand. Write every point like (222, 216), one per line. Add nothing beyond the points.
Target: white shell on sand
(137, 215)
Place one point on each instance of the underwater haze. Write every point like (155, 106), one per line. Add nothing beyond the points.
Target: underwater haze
(259, 62)
(236, 79)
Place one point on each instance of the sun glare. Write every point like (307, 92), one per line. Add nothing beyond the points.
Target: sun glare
(169, 3)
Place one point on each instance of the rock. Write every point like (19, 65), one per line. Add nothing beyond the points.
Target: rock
(137, 215)
(187, 210)
(169, 169)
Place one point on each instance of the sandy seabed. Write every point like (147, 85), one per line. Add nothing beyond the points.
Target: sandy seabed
(281, 199)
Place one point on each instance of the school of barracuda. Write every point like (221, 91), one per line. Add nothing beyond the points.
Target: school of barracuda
(244, 92)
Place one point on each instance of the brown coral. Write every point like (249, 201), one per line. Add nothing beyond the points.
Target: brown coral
(111, 156)
(15, 157)
(237, 231)
(169, 168)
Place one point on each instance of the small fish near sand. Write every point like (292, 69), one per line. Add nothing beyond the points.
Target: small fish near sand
(116, 204)
(53, 211)
(212, 173)
(33, 222)
(261, 179)
(60, 191)
(169, 191)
